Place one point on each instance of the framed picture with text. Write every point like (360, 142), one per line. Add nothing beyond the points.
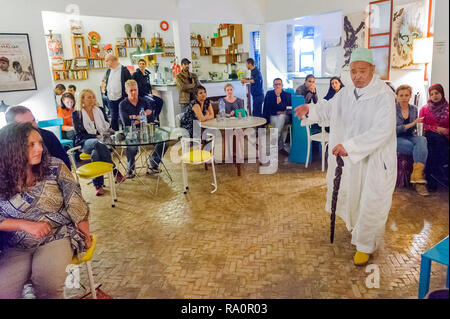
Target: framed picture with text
(16, 63)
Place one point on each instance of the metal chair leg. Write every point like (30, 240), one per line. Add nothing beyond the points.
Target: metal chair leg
(91, 279)
(214, 174)
(113, 189)
(308, 154)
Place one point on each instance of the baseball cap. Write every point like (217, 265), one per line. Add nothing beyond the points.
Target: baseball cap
(5, 59)
(185, 61)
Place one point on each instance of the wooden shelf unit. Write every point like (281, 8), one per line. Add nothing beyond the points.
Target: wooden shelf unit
(78, 46)
(121, 51)
(234, 32)
(133, 41)
(97, 63)
(70, 75)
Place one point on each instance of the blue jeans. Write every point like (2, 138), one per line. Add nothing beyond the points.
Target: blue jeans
(415, 146)
(257, 105)
(99, 153)
(155, 158)
(278, 122)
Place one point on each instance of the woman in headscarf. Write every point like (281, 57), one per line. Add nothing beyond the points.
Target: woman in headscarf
(436, 117)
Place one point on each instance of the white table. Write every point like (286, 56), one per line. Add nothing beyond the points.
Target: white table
(231, 124)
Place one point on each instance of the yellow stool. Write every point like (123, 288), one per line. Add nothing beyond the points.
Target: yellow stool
(195, 157)
(87, 259)
(93, 170)
(85, 157)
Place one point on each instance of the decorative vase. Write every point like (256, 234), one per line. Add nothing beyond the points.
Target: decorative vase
(128, 30)
(138, 29)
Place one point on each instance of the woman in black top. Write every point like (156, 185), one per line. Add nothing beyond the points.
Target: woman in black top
(335, 85)
(200, 109)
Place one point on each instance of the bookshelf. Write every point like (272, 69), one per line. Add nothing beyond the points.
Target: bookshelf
(97, 63)
(70, 69)
(133, 42)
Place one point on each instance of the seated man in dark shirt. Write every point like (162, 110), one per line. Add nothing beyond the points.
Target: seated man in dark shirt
(275, 104)
(21, 114)
(142, 77)
(129, 110)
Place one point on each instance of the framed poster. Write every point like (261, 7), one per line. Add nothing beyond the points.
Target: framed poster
(16, 64)
(409, 23)
(54, 46)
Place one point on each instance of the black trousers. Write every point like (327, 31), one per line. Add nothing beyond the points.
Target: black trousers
(114, 109)
(436, 168)
(157, 105)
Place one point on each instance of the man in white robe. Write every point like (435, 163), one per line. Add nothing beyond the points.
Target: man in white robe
(362, 131)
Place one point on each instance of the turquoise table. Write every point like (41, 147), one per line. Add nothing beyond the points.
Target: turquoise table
(438, 253)
(299, 137)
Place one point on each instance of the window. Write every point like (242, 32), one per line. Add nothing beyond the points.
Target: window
(255, 48)
(304, 50)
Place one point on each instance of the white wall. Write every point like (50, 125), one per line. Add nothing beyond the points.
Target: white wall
(24, 16)
(283, 9)
(208, 29)
(109, 29)
(440, 67)
(276, 57)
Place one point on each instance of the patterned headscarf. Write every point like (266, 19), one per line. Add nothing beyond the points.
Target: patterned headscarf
(439, 109)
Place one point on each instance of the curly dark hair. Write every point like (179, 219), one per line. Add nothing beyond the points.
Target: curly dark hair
(14, 160)
(67, 95)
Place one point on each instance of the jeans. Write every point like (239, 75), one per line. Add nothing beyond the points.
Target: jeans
(99, 153)
(68, 135)
(415, 146)
(114, 109)
(257, 105)
(157, 104)
(437, 162)
(154, 159)
(278, 122)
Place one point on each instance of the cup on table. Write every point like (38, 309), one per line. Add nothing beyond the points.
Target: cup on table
(419, 127)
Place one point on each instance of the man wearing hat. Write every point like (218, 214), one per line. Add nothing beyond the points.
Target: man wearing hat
(362, 121)
(5, 75)
(186, 82)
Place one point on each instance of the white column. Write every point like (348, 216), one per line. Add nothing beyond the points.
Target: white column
(182, 39)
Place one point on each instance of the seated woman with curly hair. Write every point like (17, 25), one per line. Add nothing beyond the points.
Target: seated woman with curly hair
(43, 217)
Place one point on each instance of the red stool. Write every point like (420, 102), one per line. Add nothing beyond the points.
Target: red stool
(404, 170)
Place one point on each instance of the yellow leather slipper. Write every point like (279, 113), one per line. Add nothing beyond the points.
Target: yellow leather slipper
(361, 258)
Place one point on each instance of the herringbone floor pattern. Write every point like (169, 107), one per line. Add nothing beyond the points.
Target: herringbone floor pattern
(258, 236)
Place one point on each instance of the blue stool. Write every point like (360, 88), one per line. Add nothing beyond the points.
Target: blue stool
(299, 138)
(438, 253)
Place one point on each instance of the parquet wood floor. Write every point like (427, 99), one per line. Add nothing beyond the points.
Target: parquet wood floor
(258, 236)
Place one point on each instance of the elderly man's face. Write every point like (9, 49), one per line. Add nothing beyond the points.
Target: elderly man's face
(26, 117)
(361, 73)
(4, 66)
(111, 62)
